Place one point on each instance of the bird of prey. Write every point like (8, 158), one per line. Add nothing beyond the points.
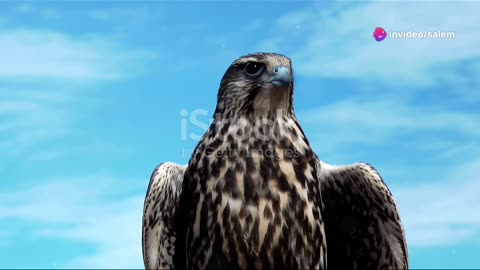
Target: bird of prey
(254, 195)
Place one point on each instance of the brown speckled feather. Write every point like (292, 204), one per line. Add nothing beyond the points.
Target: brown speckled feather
(362, 222)
(161, 201)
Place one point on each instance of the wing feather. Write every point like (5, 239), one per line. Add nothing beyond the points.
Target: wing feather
(158, 234)
(362, 222)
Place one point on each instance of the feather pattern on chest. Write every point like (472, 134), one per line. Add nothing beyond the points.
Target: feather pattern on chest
(255, 198)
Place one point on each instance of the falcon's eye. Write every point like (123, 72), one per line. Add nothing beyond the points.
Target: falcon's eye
(254, 69)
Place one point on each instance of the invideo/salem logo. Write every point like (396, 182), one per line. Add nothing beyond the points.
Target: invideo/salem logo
(421, 34)
(380, 34)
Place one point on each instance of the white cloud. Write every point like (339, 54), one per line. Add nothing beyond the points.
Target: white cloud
(97, 210)
(438, 235)
(40, 122)
(384, 120)
(339, 41)
(444, 211)
(33, 117)
(45, 76)
(114, 231)
(46, 55)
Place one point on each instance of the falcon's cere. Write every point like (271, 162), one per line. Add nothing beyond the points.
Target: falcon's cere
(255, 195)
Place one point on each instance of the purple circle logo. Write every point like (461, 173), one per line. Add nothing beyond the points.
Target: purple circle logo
(379, 34)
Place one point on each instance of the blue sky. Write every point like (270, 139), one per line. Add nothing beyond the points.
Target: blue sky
(92, 95)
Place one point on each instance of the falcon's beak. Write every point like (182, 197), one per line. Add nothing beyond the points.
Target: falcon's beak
(281, 77)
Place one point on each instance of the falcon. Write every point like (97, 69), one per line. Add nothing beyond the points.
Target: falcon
(254, 195)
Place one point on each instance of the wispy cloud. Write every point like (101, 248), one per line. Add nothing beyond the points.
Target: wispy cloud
(33, 53)
(99, 210)
(28, 120)
(40, 121)
(335, 40)
(45, 75)
(378, 122)
(442, 212)
(39, 114)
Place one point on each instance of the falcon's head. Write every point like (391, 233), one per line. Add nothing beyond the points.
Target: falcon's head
(259, 84)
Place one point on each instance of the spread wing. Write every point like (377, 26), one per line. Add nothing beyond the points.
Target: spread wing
(362, 222)
(158, 234)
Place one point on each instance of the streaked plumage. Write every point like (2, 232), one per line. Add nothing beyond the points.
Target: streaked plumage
(255, 200)
(362, 222)
(158, 230)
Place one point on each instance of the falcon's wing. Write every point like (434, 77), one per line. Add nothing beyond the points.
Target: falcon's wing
(362, 222)
(158, 234)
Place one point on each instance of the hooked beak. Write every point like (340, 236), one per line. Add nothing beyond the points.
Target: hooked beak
(281, 77)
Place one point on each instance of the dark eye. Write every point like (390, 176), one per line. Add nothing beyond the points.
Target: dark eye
(254, 69)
